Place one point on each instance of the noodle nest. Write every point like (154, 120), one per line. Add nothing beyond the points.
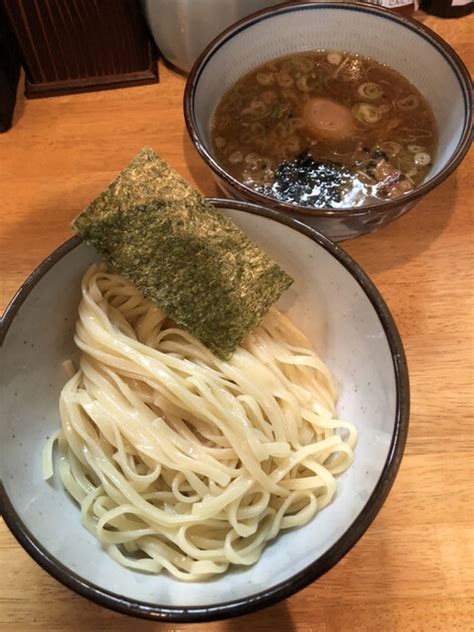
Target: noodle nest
(185, 462)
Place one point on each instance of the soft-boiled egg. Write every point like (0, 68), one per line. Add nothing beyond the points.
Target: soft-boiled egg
(326, 119)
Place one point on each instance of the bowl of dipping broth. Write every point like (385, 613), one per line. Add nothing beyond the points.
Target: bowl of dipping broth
(153, 547)
(340, 115)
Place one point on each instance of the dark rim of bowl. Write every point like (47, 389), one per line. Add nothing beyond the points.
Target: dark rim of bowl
(311, 572)
(426, 33)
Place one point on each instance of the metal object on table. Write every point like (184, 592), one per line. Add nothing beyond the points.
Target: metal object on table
(183, 28)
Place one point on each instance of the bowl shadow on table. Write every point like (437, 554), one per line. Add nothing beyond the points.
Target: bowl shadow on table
(391, 247)
(198, 169)
(19, 108)
(276, 618)
(402, 240)
(409, 236)
(87, 615)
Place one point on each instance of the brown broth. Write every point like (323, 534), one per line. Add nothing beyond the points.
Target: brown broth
(261, 135)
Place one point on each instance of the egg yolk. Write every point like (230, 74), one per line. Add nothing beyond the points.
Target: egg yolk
(326, 119)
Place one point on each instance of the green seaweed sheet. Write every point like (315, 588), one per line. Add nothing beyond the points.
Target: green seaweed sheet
(187, 257)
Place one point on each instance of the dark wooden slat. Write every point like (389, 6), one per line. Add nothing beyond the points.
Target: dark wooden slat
(79, 45)
(9, 73)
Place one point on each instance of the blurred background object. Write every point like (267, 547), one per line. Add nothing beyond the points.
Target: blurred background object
(71, 46)
(183, 28)
(406, 7)
(448, 8)
(9, 73)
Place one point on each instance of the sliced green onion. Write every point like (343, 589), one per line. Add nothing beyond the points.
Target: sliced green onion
(414, 149)
(220, 142)
(282, 111)
(281, 130)
(408, 103)
(391, 148)
(258, 108)
(252, 160)
(246, 137)
(422, 158)
(284, 79)
(268, 96)
(302, 84)
(370, 91)
(393, 123)
(293, 143)
(367, 113)
(334, 58)
(235, 157)
(265, 79)
(302, 63)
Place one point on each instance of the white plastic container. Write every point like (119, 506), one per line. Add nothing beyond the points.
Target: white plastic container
(183, 28)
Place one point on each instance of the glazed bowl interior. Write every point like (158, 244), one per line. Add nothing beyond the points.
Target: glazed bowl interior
(331, 300)
(415, 52)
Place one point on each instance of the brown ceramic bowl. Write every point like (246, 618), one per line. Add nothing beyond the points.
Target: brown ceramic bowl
(403, 44)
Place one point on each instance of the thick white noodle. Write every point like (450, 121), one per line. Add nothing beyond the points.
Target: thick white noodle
(185, 462)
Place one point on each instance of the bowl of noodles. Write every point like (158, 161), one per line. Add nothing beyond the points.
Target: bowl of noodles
(156, 479)
(342, 115)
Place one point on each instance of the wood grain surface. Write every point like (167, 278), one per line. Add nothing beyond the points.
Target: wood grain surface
(414, 568)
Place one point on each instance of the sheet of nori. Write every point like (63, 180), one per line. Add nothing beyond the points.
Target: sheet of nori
(188, 258)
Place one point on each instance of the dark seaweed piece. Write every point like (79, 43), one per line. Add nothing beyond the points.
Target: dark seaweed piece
(369, 168)
(158, 232)
(308, 182)
(379, 153)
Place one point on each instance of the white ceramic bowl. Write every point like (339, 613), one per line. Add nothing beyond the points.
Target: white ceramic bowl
(403, 44)
(341, 311)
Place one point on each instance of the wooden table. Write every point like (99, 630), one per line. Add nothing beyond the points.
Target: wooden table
(414, 568)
